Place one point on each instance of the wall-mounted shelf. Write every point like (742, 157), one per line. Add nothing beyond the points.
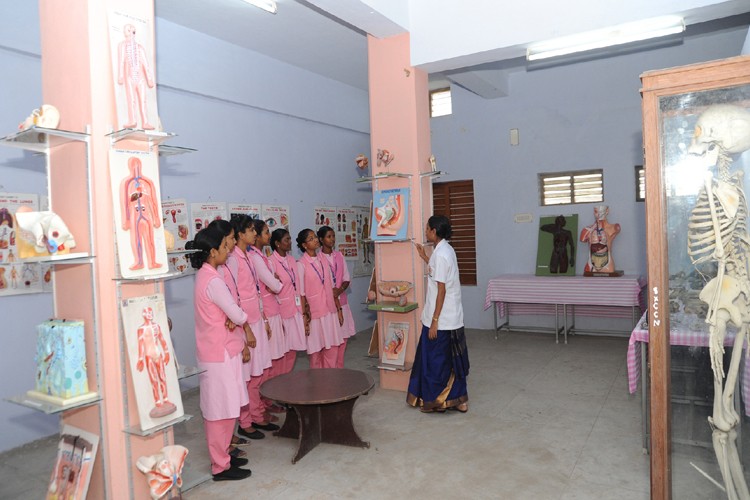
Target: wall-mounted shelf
(50, 407)
(68, 258)
(40, 139)
(188, 371)
(136, 429)
(132, 134)
(392, 307)
(163, 277)
(166, 150)
(437, 173)
(386, 175)
(399, 240)
(407, 367)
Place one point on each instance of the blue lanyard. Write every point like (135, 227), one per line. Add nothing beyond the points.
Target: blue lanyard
(322, 270)
(290, 273)
(236, 288)
(255, 276)
(333, 269)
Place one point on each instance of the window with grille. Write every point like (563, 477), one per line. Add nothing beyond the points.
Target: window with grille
(640, 183)
(455, 200)
(564, 188)
(440, 102)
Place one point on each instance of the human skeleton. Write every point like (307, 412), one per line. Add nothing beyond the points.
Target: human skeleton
(718, 233)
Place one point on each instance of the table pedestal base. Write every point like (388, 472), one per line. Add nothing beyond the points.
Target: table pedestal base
(320, 423)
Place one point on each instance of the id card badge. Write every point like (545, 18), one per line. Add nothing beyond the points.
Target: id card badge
(297, 301)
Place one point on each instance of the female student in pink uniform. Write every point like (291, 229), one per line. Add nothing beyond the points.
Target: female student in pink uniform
(243, 273)
(341, 278)
(270, 286)
(289, 296)
(320, 312)
(221, 347)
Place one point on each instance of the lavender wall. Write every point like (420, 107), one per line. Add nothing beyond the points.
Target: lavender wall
(573, 117)
(265, 132)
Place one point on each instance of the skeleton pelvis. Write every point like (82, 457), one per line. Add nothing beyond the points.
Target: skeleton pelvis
(725, 297)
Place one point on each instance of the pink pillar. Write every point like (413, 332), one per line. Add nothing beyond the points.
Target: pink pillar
(400, 123)
(77, 79)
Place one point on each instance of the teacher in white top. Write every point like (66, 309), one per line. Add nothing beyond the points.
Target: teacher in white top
(441, 364)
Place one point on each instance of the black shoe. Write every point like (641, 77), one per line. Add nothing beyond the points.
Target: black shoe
(238, 462)
(250, 435)
(266, 427)
(232, 474)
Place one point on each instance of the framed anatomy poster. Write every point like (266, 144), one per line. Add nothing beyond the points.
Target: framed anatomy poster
(556, 251)
(141, 246)
(252, 210)
(71, 474)
(153, 366)
(394, 343)
(131, 39)
(390, 218)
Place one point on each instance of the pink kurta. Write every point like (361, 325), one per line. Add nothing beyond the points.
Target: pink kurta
(340, 273)
(291, 315)
(243, 273)
(317, 288)
(269, 287)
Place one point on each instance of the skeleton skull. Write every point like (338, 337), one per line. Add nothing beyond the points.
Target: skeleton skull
(723, 125)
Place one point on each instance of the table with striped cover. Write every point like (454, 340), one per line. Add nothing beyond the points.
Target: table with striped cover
(678, 336)
(528, 294)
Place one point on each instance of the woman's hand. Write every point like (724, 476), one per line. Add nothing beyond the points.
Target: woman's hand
(230, 326)
(306, 320)
(249, 336)
(421, 252)
(246, 354)
(341, 317)
(268, 328)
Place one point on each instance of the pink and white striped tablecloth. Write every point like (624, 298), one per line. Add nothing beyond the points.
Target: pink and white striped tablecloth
(608, 296)
(682, 337)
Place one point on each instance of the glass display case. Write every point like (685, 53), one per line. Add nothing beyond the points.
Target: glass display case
(697, 156)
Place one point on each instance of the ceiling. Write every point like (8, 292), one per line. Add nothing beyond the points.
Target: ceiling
(308, 37)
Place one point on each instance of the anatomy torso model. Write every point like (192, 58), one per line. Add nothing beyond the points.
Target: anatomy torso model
(134, 73)
(718, 236)
(140, 214)
(600, 235)
(153, 354)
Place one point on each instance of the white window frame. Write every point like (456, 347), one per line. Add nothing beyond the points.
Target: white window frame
(441, 102)
(571, 187)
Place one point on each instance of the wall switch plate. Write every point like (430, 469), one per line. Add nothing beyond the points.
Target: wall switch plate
(520, 218)
(514, 139)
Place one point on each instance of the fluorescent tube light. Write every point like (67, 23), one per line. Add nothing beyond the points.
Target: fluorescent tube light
(607, 37)
(267, 5)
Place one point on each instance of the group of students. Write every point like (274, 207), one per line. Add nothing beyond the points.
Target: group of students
(252, 314)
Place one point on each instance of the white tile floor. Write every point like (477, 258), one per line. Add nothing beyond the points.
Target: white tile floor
(546, 421)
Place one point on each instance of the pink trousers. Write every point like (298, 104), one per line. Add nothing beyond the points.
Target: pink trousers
(289, 359)
(255, 410)
(340, 355)
(219, 436)
(325, 358)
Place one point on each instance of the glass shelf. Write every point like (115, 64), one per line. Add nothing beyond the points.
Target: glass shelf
(188, 371)
(407, 367)
(385, 175)
(165, 150)
(68, 258)
(436, 173)
(134, 134)
(181, 252)
(136, 429)
(164, 277)
(379, 240)
(40, 139)
(51, 407)
(392, 307)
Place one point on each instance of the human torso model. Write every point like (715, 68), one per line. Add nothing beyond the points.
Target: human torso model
(600, 235)
(153, 355)
(140, 214)
(134, 73)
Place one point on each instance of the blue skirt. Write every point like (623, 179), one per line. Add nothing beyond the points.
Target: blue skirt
(438, 377)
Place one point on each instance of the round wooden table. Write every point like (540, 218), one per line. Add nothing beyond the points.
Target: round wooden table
(320, 405)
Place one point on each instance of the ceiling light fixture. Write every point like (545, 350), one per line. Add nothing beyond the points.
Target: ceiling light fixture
(267, 5)
(607, 37)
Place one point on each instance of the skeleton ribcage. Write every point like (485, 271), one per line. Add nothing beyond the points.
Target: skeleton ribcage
(733, 230)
